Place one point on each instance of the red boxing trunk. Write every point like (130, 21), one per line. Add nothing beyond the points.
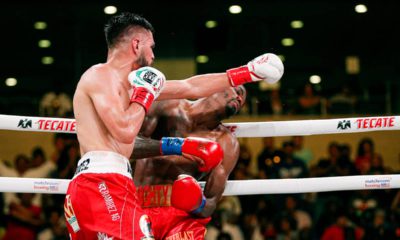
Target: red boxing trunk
(100, 201)
(168, 222)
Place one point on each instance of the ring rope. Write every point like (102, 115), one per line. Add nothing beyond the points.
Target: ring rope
(244, 129)
(235, 187)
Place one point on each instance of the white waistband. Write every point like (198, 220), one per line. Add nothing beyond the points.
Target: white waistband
(103, 162)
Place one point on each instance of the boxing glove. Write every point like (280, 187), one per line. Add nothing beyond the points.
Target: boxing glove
(147, 83)
(208, 151)
(267, 67)
(187, 194)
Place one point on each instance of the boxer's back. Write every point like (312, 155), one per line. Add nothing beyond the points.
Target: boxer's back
(91, 131)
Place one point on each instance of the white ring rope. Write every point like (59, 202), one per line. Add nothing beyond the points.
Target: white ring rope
(236, 187)
(244, 129)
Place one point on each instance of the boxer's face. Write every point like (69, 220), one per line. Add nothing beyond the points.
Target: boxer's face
(230, 101)
(146, 45)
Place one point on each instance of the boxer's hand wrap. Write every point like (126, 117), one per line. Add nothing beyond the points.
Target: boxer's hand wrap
(147, 83)
(187, 195)
(208, 151)
(267, 67)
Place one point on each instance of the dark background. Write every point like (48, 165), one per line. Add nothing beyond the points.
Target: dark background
(332, 30)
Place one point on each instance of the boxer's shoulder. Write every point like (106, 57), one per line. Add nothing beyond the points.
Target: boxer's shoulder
(99, 74)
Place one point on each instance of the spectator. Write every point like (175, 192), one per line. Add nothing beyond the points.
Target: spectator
(38, 157)
(21, 165)
(276, 103)
(301, 152)
(362, 204)
(377, 166)
(265, 160)
(289, 166)
(39, 167)
(327, 166)
(251, 227)
(272, 104)
(309, 102)
(59, 145)
(66, 164)
(55, 104)
(343, 102)
(287, 229)
(242, 169)
(345, 164)
(231, 204)
(365, 154)
(24, 219)
(303, 219)
(342, 229)
(55, 226)
(268, 230)
(379, 228)
(222, 222)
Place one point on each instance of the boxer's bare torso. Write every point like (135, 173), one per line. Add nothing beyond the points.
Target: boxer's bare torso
(93, 107)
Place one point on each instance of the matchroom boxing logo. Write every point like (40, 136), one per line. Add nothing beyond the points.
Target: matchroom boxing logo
(378, 182)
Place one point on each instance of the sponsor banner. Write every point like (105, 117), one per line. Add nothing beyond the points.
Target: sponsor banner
(313, 127)
(46, 186)
(233, 187)
(42, 124)
(370, 123)
(244, 129)
(378, 182)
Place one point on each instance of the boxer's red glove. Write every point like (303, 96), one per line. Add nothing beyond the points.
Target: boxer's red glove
(187, 195)
(267, 67)
(208, 151)
(147, 83)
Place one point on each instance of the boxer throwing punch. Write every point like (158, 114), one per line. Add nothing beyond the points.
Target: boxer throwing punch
(110, 102)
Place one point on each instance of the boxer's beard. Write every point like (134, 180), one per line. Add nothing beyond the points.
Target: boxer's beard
(231, 108)
(230, 111)
(142, 62)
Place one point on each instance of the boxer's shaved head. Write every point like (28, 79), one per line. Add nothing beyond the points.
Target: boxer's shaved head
(124, 24)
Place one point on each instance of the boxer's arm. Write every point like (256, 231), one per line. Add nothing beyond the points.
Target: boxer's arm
(215, 183)
(195, 87)
(207, 154)
(266, 67)
(146, 148)
(121, 120)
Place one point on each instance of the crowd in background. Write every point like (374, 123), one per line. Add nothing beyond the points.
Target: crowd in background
(38, 216)
(330, 215)
(366, 214)
(304, 99)
(307, 100)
